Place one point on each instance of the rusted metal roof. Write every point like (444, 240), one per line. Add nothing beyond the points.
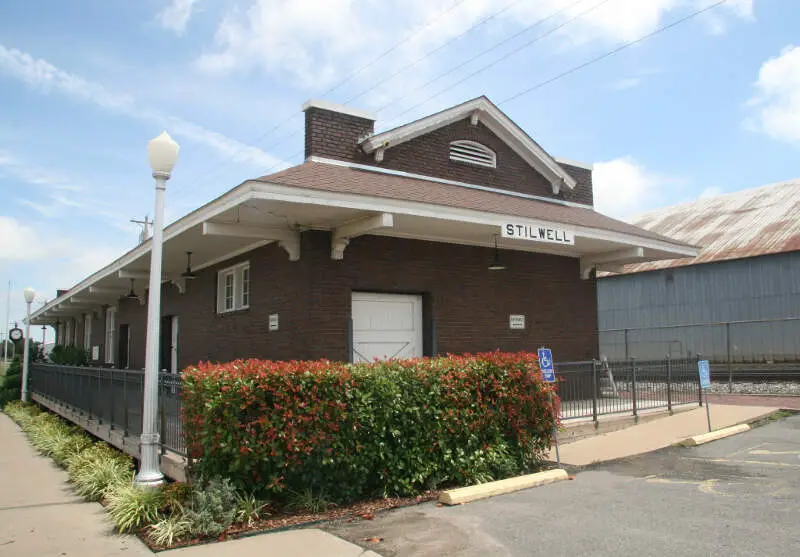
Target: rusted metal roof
(746, 223)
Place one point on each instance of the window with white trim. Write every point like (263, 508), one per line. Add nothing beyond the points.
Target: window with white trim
(111, 324)
(87, 331)
(472, 152)
(233, 288)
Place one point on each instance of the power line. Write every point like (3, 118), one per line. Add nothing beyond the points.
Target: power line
(350, 76)
(612, 52)
(507, 55)
(475, 57)
(435, 50)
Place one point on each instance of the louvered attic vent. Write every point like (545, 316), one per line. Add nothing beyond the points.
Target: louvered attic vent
(472, 152)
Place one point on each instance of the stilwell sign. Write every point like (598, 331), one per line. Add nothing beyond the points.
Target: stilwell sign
(537, 233)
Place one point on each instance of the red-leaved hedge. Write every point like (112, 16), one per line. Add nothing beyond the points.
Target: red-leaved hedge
(359, 430)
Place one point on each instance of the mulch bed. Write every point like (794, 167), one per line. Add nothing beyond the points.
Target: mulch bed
(364, 510)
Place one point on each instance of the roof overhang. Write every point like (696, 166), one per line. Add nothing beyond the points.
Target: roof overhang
(484, 111)
(260, 212)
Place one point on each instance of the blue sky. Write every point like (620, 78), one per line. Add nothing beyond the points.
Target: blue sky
(710, 106)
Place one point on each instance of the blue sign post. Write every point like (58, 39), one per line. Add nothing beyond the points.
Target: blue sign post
(546, 365)
(549, 376)
(705, 384)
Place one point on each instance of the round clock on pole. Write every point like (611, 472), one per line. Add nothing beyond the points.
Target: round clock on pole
(15, 334)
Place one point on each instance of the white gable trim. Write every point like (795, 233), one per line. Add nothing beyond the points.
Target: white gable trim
(404, 174)
(494, 119)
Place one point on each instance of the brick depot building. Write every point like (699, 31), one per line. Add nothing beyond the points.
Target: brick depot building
(453, 233)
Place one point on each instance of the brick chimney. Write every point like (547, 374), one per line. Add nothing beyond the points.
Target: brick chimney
(333, 130)
(60, 292)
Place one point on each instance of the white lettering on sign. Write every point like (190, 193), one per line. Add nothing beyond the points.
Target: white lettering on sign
(516, 321)
(537, 233)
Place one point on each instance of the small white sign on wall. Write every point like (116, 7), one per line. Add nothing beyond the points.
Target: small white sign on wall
(95, 352)
(273, 321)
(516, 321)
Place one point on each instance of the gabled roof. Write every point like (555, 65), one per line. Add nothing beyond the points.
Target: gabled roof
(340, 177)
(748, 223)
(481, 110)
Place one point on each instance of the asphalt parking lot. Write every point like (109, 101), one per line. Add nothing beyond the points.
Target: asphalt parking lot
(736, 496)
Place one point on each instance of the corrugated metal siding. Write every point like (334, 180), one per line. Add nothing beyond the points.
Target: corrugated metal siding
(766, 287)
(748, 223)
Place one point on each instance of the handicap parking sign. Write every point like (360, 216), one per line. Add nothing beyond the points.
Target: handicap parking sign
(546, 365)
(705, 374)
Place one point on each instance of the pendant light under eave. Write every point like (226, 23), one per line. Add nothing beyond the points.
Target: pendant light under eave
(496, 265)
(188, 273)
(132, 295)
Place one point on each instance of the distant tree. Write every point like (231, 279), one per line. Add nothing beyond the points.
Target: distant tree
(11, 384)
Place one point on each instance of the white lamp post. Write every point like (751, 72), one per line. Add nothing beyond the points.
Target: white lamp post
(30, 294)
(162, 153)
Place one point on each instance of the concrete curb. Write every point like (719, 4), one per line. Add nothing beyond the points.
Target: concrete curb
(500, 487)
(714, 435)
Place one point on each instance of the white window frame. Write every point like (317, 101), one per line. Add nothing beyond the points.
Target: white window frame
(240, 281)
(110, 337)
(465, 151)
(87, 332)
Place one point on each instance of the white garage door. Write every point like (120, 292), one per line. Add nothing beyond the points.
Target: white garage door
(386, 326)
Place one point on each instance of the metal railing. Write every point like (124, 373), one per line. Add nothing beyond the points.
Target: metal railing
(593, 388)
(112, 397)
(747, 350)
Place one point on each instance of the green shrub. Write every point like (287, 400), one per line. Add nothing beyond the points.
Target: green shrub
(132, 507)
(70, 355)
(212, 507)
(308, 500)
(176, 496)
(169, 530)
(380, 428)
(11, 384)
(250, 509)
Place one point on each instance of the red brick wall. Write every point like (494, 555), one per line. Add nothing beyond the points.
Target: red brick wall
(334, 135)
(468, 304)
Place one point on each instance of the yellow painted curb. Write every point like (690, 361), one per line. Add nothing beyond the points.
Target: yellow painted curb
(714, 435)
(500, 487)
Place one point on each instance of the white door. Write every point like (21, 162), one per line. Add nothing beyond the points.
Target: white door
(386, 326)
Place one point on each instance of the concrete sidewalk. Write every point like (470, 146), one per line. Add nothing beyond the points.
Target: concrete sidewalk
(41, 517)
(655, 434)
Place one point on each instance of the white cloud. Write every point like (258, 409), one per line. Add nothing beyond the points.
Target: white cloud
(47, 77)
(61, 196)
(627, 83)
(313, 45)
(176, 15)
(21, 242)
(777, 101)
(623, 187)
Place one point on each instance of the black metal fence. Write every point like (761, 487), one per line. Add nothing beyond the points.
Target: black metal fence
(112, 397)
(593, 388)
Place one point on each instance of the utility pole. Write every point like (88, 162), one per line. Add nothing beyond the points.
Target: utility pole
(5, 344)
(145, 224)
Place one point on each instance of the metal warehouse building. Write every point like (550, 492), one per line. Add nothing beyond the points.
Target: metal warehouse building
(738, 301)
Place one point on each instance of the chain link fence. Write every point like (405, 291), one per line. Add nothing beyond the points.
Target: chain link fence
(745, 356)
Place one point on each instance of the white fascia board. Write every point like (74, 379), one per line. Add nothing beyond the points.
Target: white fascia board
(404, 174)
(570, 162)
(219, 205)
(494, 119)
(280, 192)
